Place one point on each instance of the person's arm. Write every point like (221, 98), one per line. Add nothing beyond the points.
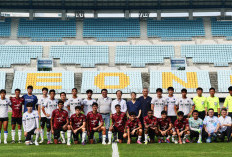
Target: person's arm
(128, 135)
(218, 108)
(124, 108)
(52, 118)
(139, 113)
(113, 107)
(112, 119)
(37, 121)
(152, 107)
(225, 103)
(101, 123)
(175, 109)
(166, 108)
(24, 125)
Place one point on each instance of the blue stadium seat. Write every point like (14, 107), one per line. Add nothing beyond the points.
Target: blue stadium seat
(224, 80)
(5, 28)
(221, 28)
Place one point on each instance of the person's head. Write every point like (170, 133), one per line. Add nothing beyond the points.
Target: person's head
(195, 114)
(60, 104)
(89, 93)
(118, 108)
(119, 94)
(145, 92)
(62, 95)
(78, 110)
(224, 112)
(180, 115)
(159, 92)
(211, 112)
(164, 114)
(199, 91)
(170, 91)
(29, 89)
(17, 92)
(104, 92)
(212, 91)
(74, 91)
(52, 93)
(29, 107)
(132, 116)
(230, 90)
(95, 106)
(133, 95)
(45, 90)
(184, 92)
(150, 113)
(3, 93)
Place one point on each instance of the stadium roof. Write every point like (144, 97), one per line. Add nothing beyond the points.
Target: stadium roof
(113, 4)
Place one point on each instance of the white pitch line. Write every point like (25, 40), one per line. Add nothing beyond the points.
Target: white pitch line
(115, 152)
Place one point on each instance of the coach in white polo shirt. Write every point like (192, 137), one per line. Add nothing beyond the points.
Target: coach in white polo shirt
(119, 101)
(225, 125)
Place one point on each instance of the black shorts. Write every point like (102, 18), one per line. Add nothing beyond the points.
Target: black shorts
(120, 133)
(43, 121)
(48, 123)
(202, 115)
(194, 134)
(32, 132)
(135, 134)
(57, 133)
(91, 134)
(151, 134)
(230, 114)
(16, 120)
(173, 119)
(3, 119)
(76, 135)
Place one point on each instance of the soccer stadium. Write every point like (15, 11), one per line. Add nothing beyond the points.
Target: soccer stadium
(115, 78)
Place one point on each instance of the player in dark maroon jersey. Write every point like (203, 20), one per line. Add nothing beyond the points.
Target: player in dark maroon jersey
(59, 122)
(17, 106)
(118, 124)
(78, 125)
(93, 119)
(133, 128)
(181, 128)
(150, 126)
(164, 127)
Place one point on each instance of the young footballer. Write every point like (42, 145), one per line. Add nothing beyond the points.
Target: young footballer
(74, 101)
(29, 97)
(158, 104)
(213, 102)
(164, 127)
(195, 126)
(87, 102)
(150, 126)
(200, 103)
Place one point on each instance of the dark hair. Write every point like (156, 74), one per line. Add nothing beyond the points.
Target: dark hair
(149, 111)
(230, 88)
(199, 88)
(118, 91)
(159, 90)
(3, 91)
(170, 88)
(104, 90)
(183, 90)
(117, 105)
(132, 114)
(30, 104)
(78, 107)
(94, 104)
(212, 89)
(195, 111)
(89, 91)
(62, 93)
(45, 88)
(164, 112)
(60, 101)
(133, 93)
(17, 90)
(180, 113)
(52, 90)
(75, 89)
(211, 109)
(30, 87)
(224, 109)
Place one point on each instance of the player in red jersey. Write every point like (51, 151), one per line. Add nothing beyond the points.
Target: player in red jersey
(133, 128)
(17, 109)
(118, 124)
(78, 125)
(59, 121)
(150, 126)
(164, 127)
(93, 119)
(181, 128)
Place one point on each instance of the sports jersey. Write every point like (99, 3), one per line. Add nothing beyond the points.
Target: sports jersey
(41, 103)
(171, 102)
(60, 118)
(88, 105)
(93, 120)
(30, 121)
(164, 123)
(66, 107)
(213, 102)
(17, 106)
(211, 123)
(73, 102)
(50, 106)
(33, 99)
(195, 125)
(159, 104)
(181, 124)
(228, 103)
(77, 120)
(200, 103)
(119, 121)
(185, 105)
(133, 124)
(4, 107)
(152, 121)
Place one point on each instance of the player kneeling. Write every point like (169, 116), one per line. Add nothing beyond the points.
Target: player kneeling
(31, 125)
(164, 127)
(93, 119)
(59, 122)
(150, 126)
(78, 125)
(133, 128)
(181, 129)
(118, 124)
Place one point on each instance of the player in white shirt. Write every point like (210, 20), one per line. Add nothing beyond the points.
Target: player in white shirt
(4, 104)
(31, 124)
(42, 117)
(171, 102)
(74, 101)
(225, 125)
(184, 104)
(47, 109)
(87, 102)
(158, 103)
(118, 101)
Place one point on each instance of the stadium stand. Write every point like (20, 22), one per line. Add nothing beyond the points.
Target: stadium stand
(12, 54)
(138, 56)
(175, 27)
(127, 81)
(224, 80)
(60, 81)
(5, 28)
(220, 55)
(2, 80)
(87, 56)
(221, 28)
(179, 79)
(111, 27)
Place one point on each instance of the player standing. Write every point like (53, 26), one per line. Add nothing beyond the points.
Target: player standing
(29, 97)
(213, 102)
(228, 102)
(158, 104)
(200, 103)
(17, 109)
(164, 127)
(88, 102)
(150, 126)
(74, 101)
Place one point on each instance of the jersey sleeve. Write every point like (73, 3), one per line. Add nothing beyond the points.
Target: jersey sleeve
(24, 122)
(225, 103)
(9, 102)
(176, 125)
(205, 121)
(100, 118)
(37, 119)
(186, 123)
(53, 114)
(153, 101)
(144, 121)
(84, 118)
(177, 102)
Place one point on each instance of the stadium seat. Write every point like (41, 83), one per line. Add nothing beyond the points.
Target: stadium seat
(5, 28)
(3, 79)
(221, 28)
(224, 78)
